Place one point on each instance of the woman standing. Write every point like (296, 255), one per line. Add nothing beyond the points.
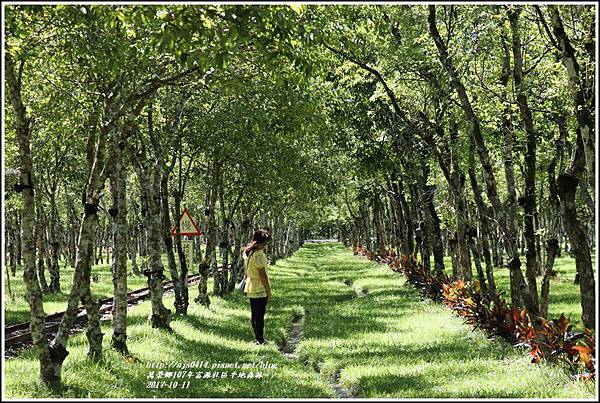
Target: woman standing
(257, 287)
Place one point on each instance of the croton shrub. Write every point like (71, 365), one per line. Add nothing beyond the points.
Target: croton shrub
(545, 339)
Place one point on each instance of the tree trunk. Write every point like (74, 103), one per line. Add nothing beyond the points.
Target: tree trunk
(377, 224)
(94, 333)
(12, 246)
(34, 294)
(459, 198)
(569, 181)
(483, 247)
(529, 198)
(118, 212)
(448, 163)
(588, 200)
(18, 237)
(133, 251)
(519, 286)
(212, 228)
(224, 249)
(179, 304)
(438, 245)
(205, 265)
(408, 221)
(474, 250)
(551, 249)
(149, 174)
(208, 264)
(555, 212)
(366, 225)
(237, 262)
(426, 219)
(151, 213)
(40, 237)
(567, 186)
(73, 225)
(80, 289)
(286, 239)
(511, 237)
(99, 242)
(583, 102)
(183, 263)
(54, 244)
(134, 239)
(394, 242)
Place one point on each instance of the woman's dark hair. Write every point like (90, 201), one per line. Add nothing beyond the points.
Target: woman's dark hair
(260, 236)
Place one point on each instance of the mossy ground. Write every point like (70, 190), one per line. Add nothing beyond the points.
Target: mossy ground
(387, 342)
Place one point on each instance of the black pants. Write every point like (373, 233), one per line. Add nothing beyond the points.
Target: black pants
(258, 307)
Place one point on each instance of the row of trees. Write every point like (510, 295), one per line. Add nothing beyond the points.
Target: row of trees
(435, 130)
(474, 138)
(120, 116)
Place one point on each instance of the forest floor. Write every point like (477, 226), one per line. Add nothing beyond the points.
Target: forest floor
(357, 329)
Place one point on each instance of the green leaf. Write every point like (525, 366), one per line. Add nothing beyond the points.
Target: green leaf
(298, 8)
(207, 22)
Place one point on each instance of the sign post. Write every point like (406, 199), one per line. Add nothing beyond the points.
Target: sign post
(187, 227)
(188, 250)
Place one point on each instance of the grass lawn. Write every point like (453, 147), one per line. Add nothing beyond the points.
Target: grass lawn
(16, 310)
(387, 343)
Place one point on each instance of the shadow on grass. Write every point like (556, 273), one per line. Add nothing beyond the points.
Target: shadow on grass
(232, 329)
(383, 342)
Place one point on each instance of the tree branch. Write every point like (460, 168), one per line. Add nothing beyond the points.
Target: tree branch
(401, 113)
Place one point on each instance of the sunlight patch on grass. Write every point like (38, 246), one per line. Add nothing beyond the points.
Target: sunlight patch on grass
(389, 343)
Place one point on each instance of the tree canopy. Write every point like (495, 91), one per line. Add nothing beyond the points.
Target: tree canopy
(451, 130)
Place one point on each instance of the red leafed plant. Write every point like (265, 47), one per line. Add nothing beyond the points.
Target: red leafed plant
(494, 314)
(358, 250)
(525, 334)
(465, 300)
(454, 292)
(576, 349)
(586, 355)
(395, 264)
(498, 320)
(558, 336)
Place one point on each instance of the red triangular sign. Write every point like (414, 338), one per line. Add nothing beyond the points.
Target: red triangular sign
(187, 225)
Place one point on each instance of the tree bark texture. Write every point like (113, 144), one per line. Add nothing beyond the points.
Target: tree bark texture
(118, 212)
(529, 198)
(568, 182)
(519, 285)
(34, 294)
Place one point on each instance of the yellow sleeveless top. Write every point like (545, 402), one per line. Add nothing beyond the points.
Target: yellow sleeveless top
(254, 287)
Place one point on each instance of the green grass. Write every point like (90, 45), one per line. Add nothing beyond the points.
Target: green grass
(16, 309)
(388, 343)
